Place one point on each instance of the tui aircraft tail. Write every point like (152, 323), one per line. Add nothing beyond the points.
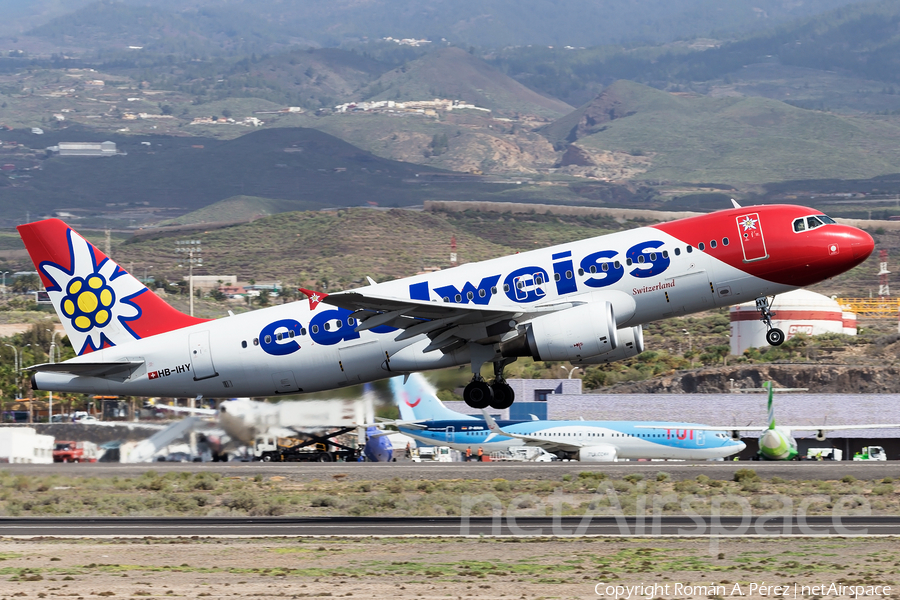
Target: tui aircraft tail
(418, 401)
(99, 303)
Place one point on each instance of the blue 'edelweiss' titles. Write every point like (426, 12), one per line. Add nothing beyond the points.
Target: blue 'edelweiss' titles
(528, 284)
(524, 285)
(94, 297)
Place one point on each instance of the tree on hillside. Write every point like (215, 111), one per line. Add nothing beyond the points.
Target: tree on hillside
(26, 283)
(439, 144)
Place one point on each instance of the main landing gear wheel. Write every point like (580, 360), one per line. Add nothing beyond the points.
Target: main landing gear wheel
(504, 396)
(478, 394)
(775, 337)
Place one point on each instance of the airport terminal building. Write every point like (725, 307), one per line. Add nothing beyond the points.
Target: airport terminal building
(563, 399)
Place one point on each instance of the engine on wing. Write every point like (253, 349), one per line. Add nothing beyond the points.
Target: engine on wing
(571, 334)
(601, 453)
(631, 343)
(820, 435)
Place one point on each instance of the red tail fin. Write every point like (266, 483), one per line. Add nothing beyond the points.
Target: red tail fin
(98, 302)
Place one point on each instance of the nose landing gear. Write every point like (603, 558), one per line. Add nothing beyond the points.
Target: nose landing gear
(774, 336)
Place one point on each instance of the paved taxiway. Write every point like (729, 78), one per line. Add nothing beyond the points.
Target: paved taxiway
(682, 526)
(811, 470)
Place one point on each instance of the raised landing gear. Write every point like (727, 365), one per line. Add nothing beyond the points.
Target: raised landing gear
(498, 395)
(774, 336)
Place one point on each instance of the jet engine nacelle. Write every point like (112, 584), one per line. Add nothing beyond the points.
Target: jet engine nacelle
(631, 343)
(572, 334)
(820, 435)
(601, 453)
(735, 435)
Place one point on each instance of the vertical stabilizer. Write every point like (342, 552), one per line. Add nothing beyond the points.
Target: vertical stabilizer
(98, 302)
(418, 401)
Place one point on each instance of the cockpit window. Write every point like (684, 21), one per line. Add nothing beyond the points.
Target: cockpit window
(812, 222)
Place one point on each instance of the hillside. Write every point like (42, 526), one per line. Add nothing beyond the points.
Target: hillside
(843, 59)
(455, 74)
(301, 166)
(729, 140)
(309, 77)
(111, 24)
(486, 23)
(339, 248)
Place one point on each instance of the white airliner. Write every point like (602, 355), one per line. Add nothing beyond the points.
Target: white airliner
(425, 419)
(582, 301)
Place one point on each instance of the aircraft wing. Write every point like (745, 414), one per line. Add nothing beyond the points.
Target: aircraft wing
(531, 440)
(445, 322)
(838, 427)
(116, 369)
(401, 423)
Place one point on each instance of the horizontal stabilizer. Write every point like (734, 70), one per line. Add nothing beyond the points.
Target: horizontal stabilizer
(90, 369)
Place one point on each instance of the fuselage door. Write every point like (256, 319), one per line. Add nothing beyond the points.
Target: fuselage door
(751, 235)
(201, 357)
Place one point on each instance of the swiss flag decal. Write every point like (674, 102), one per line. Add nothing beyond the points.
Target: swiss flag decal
(314, 297)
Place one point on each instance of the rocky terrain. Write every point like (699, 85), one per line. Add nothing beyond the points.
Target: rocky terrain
(824, 379)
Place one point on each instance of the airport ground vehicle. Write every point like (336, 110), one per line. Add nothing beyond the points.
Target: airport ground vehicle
(523, 454)
(824, 454)
(269, 448)
(77, 452)
(432, 453)
(871, 453)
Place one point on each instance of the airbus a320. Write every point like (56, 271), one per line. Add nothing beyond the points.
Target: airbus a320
(582, 301)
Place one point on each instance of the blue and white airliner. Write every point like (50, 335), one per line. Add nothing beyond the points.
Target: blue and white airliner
(425, 418)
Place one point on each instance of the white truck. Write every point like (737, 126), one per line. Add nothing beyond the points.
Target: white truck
(824, 454)
(871, 453)
(523, 454)
(432, 453)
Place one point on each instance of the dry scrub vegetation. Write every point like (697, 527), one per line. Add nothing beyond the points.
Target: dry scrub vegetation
(210, 494)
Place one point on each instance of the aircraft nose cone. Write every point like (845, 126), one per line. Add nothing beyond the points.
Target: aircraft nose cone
(861, 245)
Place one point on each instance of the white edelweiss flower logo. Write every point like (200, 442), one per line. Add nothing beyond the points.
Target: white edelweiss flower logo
(749, 224)
(94, 298)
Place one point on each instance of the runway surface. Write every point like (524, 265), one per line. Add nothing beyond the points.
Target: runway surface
(812, 470)
(682, 526)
